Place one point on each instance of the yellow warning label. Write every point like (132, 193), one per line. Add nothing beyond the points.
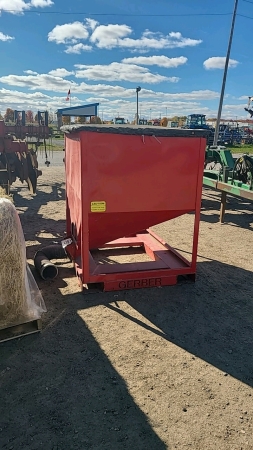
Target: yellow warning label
(98, 206)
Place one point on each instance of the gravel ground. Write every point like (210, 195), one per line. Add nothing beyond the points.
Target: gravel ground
(161, 368)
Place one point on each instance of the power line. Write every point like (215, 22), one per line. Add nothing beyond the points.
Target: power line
(247, 1)
(114, 14)
(247, 17)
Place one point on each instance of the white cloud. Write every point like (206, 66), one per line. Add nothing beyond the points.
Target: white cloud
(115, 35)
(97, 100)
(78, 48)
(19, 6)
(17, 100)
(192, 95)
(234, 107)
(218, 62)
(121, 72)
(173, 79)
(112, 99)
(47, 82)
(91, 23)
(108, 36)
(111, 36)
(161, 61)
(108, 107)
(41, 3)
(5, 37)
(179, 105)
(244, 97)
(14, 6)
(59, 73)
(147, 109)
(68, 33)
(30, 72)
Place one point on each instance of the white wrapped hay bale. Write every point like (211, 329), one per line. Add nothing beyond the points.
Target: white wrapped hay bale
(20, 298)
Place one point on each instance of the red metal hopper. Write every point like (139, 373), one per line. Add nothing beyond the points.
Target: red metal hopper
(122, 180)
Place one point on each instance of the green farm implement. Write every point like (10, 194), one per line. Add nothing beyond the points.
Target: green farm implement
(229, 175)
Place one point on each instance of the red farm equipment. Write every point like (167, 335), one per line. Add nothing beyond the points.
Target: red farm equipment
(16, 159)
(121, 180)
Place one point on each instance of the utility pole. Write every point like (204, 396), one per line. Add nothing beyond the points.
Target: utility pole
(138, 89)
(216, 135)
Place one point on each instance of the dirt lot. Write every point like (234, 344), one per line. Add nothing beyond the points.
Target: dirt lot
(161, 368)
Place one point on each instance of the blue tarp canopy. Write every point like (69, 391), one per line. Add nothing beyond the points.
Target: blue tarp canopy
(83, 110)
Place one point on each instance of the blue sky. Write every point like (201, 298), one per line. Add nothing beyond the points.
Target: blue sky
(101, 50)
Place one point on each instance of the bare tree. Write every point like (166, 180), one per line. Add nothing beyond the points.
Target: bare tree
(95, 119)
(29, 116)
(9, 115)
(81, 119)
(66, 120)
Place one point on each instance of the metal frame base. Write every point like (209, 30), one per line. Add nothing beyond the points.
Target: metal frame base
(17, 331)
(165, 267)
